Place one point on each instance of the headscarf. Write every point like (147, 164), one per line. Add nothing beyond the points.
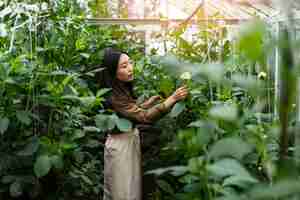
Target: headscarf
(107, 78)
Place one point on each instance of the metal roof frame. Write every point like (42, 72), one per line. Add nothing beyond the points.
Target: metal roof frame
(231, 14)
(155, 21)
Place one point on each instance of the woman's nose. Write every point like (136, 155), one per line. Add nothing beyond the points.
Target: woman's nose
(130, 68)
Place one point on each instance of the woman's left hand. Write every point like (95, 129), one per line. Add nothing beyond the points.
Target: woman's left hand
(155, 98)
(151, 101)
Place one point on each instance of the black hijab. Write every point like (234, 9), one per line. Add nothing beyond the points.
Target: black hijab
(107, 78)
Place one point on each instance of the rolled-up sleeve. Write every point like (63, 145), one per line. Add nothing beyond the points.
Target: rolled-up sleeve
(134, 112)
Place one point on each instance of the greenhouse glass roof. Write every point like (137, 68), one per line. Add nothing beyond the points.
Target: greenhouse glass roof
(231, 11)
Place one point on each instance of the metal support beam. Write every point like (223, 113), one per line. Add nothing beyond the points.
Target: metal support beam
(157, 21)
(277, 73)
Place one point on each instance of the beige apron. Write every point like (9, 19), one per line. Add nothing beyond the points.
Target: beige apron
(122, 167)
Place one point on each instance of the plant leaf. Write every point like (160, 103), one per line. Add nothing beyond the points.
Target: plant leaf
(242, 182)
(278, 190)
(86, 179)
(104, 122)
(93, 143)
(91, 129)
(42, 165)
(23, 117)
(174, 170)
(233, 147)
(30, 148)
(57, 162)
(8, 179)
(102, 91)
(123, 125)
(177, 109)
(4, 122)
(165, 186)
(78, 133)
(227, 167)
(224, 112)
(16, 189)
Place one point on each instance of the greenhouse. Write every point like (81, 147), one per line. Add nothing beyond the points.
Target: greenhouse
(149, 100)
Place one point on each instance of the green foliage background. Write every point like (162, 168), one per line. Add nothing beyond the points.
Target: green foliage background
(50, 101)
(222, 142)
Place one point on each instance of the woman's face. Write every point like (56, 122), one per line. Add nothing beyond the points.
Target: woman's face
(125, 69)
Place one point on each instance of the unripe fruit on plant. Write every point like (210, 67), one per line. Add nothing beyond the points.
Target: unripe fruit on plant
(262, 75)
(186, 76)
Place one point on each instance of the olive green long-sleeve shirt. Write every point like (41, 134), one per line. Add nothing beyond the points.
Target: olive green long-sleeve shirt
(139, 113)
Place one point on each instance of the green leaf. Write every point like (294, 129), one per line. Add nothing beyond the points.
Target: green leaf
(177, 109)
(3, 30)
(85, 55)
(224, 112)
(204, 135)
(123, 125)
(93, 143)
(68, 146)
(231, 197)
(227, 167)
(189, 178)
(166, 86)
(91, 129)
(72, 98)
(58, 73)
(8, 179)
(87, 101)
(6, 11)
(4, 122)
(15, 189)
(92, 73)
(86, 180)
(213, 72)
(195, 164)
(278, 190)
(78, 134)
(23, 117)
(233, 147)
(103, 91)
(174, 170)
(243, 182)
(57, 162)
(165, 186)
(251, 40)
(80, 44)
(79, 156)
(68, 79)
(170, 63)
(198, 123)
(248, 83)
(105, 122)
(42, 165)
(30, 148)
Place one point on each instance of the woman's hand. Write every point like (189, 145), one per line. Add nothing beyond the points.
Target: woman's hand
(154, 98)
(150, 102)
(180, 94)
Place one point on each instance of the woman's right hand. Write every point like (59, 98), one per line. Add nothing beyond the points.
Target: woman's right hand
(180, 94)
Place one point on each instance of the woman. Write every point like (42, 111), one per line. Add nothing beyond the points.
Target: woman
(122, 153)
